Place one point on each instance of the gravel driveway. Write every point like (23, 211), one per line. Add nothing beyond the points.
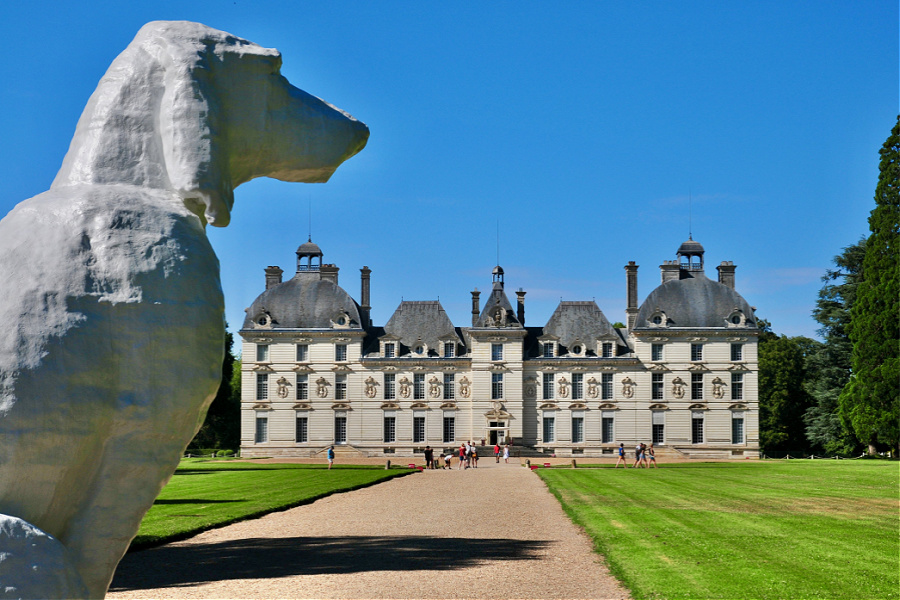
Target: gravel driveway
(491, 532)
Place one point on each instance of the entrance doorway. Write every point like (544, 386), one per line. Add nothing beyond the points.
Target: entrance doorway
(497, 432)
(340, 429)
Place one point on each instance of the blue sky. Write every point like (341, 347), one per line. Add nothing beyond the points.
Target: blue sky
(578, 129)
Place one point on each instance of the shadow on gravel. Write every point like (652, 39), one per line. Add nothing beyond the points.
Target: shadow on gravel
(177, 566)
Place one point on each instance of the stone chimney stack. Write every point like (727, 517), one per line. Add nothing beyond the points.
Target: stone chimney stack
(520, 307)
(364, 277)
(273, 276)
(631, 310)
(476, 310)
(726, 273)
(329, 273)
(670, 270)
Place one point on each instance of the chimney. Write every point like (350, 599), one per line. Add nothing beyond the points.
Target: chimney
(329, 273)
(670, 270)
(520, 308)
(726, 273)
(631, 309)
(365, 272)
(476, 311)
(273, 276)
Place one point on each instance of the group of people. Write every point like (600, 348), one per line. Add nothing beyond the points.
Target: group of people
(644, 456)
(467, 454)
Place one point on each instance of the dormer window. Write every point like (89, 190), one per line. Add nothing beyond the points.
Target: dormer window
(419, 349)
(390, 350)
(549, 350)
(577, 349)
(607, 350)
(658, 319)
(449, 349)
(736, 319)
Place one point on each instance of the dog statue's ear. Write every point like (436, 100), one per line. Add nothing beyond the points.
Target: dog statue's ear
(192, 141)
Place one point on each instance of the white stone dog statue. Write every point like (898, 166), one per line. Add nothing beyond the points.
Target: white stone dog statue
(111, 309)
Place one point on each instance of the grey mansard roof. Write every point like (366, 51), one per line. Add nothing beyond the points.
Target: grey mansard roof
(421, 320)
(304, 302)
(497, 299)
(582, 321)
(695, 301)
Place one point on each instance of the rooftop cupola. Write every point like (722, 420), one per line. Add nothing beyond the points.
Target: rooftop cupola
(498, 276)
(690, 255)
(305, 255)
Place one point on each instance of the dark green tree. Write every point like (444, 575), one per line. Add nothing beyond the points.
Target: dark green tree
(828, 364)
(870, 402)
(222, 427)
(783, 398)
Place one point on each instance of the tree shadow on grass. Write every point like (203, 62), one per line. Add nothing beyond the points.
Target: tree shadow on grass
(194, 501)
(180, 566)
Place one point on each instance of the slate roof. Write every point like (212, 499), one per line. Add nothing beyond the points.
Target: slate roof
(304, 302)
(421, 320)
(497, 298)
(582, 321)
(695, 301)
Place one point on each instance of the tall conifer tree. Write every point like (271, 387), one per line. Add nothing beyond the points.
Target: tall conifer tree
(870, 402)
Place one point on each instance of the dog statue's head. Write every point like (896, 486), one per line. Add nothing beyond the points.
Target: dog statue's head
(199, 111)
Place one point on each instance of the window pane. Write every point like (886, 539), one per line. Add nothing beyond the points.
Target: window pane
(418, 429)
(496, 386)
(340, 352)
(606, 386)
(262, 430)
(302, 352)
(449, 386)
(496, 351)
(549, 429)
(340, 430)
(262, 386)
(302, 386)
(262, 352)
(390, 429)
(608, 430)
(340, 387)
(577, 430)
(389, 350)
(658, 431)
(696, 386)
(737, 430)
(737, 352)
(657, 386)
(302, 432)
(737, 386)
(449, 429)
(389, 392)
(696, 352)
(548, 386)
(548, 350)
(696, 430)
(449, 349)
(656, 352)
(607, 349)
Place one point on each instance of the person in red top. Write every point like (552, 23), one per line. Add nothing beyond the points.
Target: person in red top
(497, 452)
(462, 458)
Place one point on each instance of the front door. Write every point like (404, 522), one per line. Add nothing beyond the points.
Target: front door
(497, 432)
(340, 430)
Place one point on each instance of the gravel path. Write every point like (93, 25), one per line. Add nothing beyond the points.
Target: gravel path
(491, 532)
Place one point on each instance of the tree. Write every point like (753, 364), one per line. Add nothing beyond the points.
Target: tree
(222, 427)
(870, 402)
(783, 399)
(828, 364)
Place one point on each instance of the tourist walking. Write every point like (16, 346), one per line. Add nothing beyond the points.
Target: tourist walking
(463, 461)
(644, 456)
(637, 456)
(621, 459)
(652, 456)
(474, 457)
(330, 457)
(429, 457)
(506, 453)
(497, 451)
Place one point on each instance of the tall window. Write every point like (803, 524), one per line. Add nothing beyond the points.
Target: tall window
(548, 386)
(577, 386)
(737, 386)
(390, 427)
(302, 352)
(737, 352)
(340, 428)
(696, 352)
(656, 352)
(390, 349)
(302, 386)
(340, 386)
(658, 422)
(449, 429)
(549, 428)
(496, 351)
(262, 352)
(449, 349)
(656, 386)
(607, 349)
(302, 428)
(697, 427)
(418, 386)
(262, 386)
(737, 428)
(549, 350)
(262, 429)
(449, 386)
(496, 386)
(418, 429)
(340, 352)
(390, 391)
(606, 386)
(607, 423)
(696, 386)
(577, 427)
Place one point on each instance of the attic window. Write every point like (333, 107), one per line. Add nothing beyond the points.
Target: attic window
(658, 319)
(577, 349)
(549, 350)
(389, 350)
(449, 349)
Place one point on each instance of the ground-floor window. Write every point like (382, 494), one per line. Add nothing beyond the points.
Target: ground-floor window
(659, 427)
(607, 423)
(262, 429)
(390, 427)
(449, 429)
(418, 429)
(577, 427)
(549, 428)
(340, 428)
(302, 429)
(737, 428)
(697, 428)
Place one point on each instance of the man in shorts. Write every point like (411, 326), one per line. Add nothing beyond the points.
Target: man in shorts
(330, 457)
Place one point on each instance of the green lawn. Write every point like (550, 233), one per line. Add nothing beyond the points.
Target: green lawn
(206, 494)
(797, 529)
